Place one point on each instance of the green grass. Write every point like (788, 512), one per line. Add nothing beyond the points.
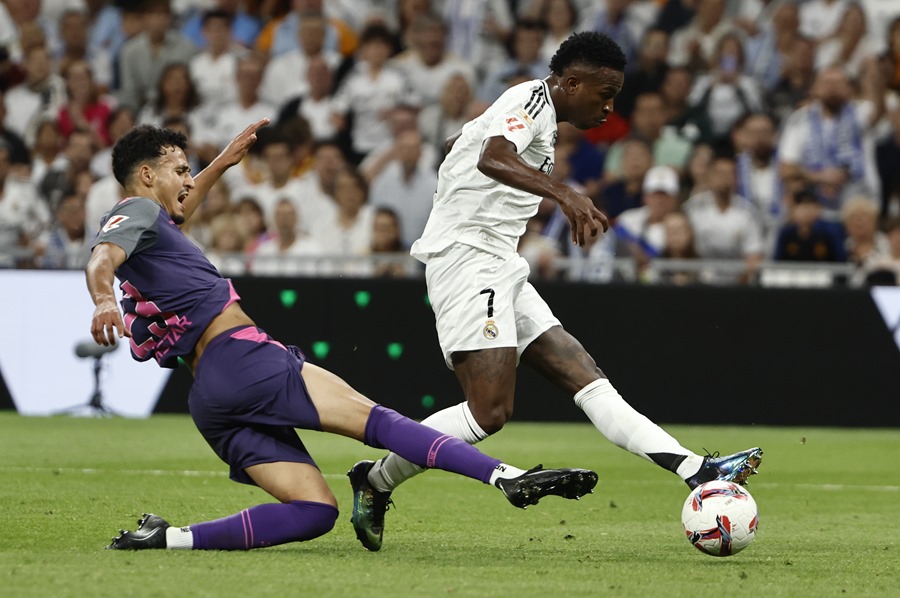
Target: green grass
(829, 503)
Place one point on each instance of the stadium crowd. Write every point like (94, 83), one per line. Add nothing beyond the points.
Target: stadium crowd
(750, 132)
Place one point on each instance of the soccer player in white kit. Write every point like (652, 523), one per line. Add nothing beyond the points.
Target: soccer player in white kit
(488, 315)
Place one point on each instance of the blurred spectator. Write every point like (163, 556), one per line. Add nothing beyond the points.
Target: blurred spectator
(890, 59)
(675, 15)
(386, 241)
(642, 229)
(695, 46)
(242, 28)
(768, 49)
(427, 65)
(213, 70)
(369, 92)
(865, 244)
(648, 72)
(73, 29)
(695, 179)
(882, 267)
(279, 182)
(758, 179)
(281, 38)
(227, 243)
(252, 222)
(795, 81)
(525, 61)
(349, 231)
(887, 155)
(65, 245)
(144, 57)
(62, 174)
(726, 93)
(317, 105)
(120, 121)
(648, 123)
(726, 226)
(613, 18)
(679, 245)
(18, 153)
(284, 254)
(22, 214)
(107, 33)
(624, 192)
(406, 186)
(216, 203)
(438, 122)
(690, 123)
(176, 97)
(595, 262)
(401, 119)
(285, 74)
(827, 143)
(479, 32)
(408, 12)
(86, 109)
(819, 19)
(561, 18)
(808, 238)
(47, 151)
(849, 46)
(40, 94)
(231, 118)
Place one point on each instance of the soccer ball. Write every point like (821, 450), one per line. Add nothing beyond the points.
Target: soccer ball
(720, 518)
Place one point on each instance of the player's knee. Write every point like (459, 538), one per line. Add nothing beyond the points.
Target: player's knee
(492, 418)
(313, 519)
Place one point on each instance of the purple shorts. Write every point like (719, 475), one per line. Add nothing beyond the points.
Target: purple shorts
(247, 398)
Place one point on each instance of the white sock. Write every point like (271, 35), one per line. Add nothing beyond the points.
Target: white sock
(179, 537)
(458, 421)
(506, 472)
(626, 428)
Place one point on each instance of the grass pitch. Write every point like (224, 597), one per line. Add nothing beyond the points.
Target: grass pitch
(829, 503)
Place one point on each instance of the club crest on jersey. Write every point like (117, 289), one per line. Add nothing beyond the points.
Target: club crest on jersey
(113, 223)
(525, 116)
(490, 330)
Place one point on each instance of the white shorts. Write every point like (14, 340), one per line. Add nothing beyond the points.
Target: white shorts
(483, 301)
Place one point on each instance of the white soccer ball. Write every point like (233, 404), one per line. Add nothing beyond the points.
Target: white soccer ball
(720, 518)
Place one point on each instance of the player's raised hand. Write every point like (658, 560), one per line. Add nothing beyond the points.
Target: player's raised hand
(107, 324)
(235, 151)
(582, 215)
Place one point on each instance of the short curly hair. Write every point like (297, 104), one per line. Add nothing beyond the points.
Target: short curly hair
(588, 48)
(143, 143)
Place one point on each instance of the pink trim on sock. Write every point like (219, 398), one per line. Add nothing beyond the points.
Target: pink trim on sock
(244, 522)
(250, 525)
(433, 451)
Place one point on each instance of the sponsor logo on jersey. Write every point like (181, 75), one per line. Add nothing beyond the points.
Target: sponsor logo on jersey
(513, 124)
(113, 223)
(490, 330)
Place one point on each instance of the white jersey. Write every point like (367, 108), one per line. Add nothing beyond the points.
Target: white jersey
(474, 209)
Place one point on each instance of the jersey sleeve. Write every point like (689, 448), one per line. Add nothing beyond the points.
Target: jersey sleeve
(132, 225)
(519, 120)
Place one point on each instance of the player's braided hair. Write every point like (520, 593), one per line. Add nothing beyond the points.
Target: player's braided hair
(588, 48)
(144, 143)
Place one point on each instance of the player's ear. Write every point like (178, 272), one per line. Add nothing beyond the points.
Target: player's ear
(145, 174)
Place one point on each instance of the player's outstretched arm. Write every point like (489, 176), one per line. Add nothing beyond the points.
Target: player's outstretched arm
(233, 153)
(100, 271)
(500, 161)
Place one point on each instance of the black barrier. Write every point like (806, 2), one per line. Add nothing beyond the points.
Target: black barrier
(6, 402)
(679, 355)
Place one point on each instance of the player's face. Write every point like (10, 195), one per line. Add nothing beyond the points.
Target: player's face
(172, 182)
(591, 93)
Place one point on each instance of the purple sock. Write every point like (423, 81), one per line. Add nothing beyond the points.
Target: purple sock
(426, 447)
(266, 525)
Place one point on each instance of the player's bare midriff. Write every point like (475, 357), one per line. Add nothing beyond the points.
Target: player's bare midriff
(232, 317)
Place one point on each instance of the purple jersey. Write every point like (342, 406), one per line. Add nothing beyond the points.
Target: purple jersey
(170, 290)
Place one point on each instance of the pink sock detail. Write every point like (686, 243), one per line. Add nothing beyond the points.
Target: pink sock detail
(435, 447)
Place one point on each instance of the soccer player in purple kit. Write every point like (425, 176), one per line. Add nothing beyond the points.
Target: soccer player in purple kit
(250, 392)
